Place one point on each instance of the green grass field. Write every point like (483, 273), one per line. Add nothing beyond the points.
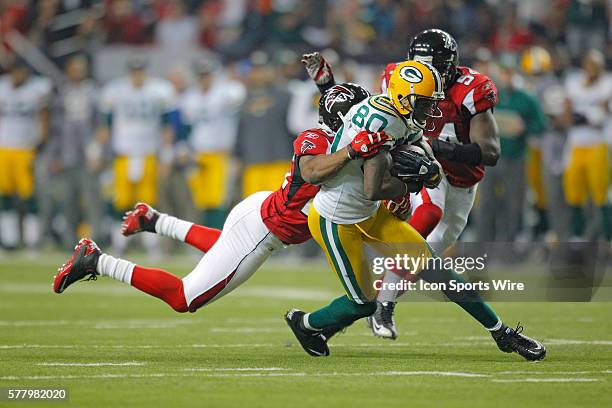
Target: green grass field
(111, 345)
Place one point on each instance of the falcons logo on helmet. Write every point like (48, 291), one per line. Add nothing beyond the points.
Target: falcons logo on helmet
(338, 93)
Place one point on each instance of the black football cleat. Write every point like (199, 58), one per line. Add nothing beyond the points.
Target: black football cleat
(512, 340)
(331, 331)
(142, 218)
(81, 265)
(382, 322)
(313, 342)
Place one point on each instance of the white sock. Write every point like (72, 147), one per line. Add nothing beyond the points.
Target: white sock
(31, 230)
(115, 268)
(306, 323)
(172, 227)
(9, 227)
(497, 326)
(385, 294)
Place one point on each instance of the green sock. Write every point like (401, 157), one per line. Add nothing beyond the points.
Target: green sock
(470, 301)
(577, 221)
(6, 202)
(30, 205)
(606, 222)
(341, 311)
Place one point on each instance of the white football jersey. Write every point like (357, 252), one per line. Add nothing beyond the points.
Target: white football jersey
(19, 107)
(213, 115)
(589, 101)
(137, 114)
(342, 199)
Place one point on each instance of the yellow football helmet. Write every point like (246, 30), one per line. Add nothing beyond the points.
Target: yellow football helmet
(415, 88)
(536, 60)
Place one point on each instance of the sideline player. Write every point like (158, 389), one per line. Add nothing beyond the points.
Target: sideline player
(24, 127)
(464, 137)
(137, 112)
(255, 228)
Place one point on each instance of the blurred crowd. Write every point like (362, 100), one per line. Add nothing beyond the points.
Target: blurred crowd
(78, 148)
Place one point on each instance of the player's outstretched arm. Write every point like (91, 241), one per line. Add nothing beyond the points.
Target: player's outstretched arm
(315, 169)
(319, 71)
(378, 184)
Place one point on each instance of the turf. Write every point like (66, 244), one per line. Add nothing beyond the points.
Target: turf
(238, 352)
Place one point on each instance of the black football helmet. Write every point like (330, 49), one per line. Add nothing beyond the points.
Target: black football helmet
(337, 101)
(439, 48)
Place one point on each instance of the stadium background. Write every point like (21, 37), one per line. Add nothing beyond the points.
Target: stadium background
(111, 345)
(531, 46)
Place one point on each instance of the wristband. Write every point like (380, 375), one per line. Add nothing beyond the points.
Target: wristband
(352, 154)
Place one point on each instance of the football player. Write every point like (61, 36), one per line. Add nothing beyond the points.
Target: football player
(205, 109)
(346, 216)
(24, 127)
(255, 228)
(463, 136)
(137, 123)
(587, 173)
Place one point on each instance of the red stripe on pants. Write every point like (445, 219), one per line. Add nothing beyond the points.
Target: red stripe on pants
(209, 294)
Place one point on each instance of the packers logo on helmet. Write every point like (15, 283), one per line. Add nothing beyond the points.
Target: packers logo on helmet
(415, 87)
(411, 74)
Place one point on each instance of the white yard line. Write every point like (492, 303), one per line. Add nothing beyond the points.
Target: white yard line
(237, 369)
(545, 380)
(261, 372)
(568, 342)
(103, 364)
(122, 346)
(117, 323)
(432, 373)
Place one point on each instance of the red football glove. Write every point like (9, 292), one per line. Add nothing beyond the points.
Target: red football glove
(366, 144)
(318, 69)
(400, 207)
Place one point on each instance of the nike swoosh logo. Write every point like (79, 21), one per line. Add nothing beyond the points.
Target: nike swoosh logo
(537, 349)
(315, 352)
(376, 326)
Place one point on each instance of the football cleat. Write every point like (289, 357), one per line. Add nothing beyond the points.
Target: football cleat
(142, 218)
(382, 322)
(331, 331)
(512, 340)
(81, 265)
(313, 342)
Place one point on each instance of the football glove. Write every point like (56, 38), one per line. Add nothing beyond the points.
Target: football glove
(366, 144)
(399, 207)
(318, 69)
(411, 165)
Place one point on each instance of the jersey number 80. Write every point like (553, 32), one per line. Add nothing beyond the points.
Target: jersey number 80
(371, 122)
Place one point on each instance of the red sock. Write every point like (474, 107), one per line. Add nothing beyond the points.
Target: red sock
(162, 285)
(202, 237)
(425, 218)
